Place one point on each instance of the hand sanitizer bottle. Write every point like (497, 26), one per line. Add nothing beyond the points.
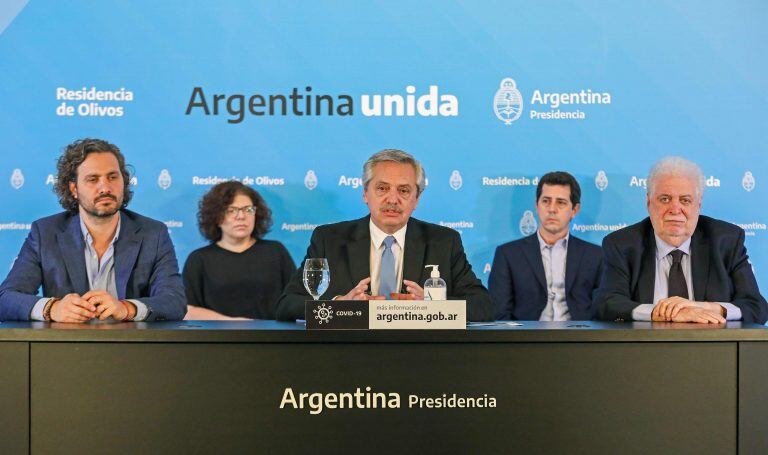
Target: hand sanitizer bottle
(434, 287)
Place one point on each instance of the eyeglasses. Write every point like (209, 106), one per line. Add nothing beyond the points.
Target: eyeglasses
(247, 210)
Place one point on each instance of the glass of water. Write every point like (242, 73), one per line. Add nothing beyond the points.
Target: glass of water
(317, 276)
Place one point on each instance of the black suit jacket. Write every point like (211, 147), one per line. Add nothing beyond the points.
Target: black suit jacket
(719, 265)
(518, 283)
(347, 245)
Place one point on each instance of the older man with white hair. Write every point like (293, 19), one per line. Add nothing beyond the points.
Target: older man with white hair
(383, 255)
(677, 265)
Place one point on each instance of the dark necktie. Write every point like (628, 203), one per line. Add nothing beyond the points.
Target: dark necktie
(677, 285)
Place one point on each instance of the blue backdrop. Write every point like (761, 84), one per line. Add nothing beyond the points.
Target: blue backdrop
(198, 91)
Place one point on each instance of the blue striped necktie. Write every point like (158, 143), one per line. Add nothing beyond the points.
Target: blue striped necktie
(387, 275)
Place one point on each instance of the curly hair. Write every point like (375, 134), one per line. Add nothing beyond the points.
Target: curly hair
(73, 156)
(214, 203)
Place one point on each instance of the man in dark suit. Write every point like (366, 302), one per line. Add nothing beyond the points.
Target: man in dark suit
(97, 260)
(387, 251)
(550, 275)
(676, 265)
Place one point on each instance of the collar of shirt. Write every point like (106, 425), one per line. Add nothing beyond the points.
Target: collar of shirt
(563, 243)
(87, 235)
(663, 248)
(378, 236)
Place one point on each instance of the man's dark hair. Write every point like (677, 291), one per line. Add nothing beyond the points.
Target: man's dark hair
(73, 156)
(560, 178)
(214, 204)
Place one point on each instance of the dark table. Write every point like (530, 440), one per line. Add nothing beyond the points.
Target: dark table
(217, 387)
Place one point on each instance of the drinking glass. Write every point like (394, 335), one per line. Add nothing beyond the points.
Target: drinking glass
(317, 276)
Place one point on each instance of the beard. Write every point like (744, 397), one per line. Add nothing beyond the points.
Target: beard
(93, 210)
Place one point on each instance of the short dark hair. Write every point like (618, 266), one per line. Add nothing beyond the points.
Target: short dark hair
(560, 178)
(73, 156)
(214, 204)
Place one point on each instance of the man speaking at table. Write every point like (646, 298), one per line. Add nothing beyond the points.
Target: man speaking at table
(386, 252)
(97, 260)
(678, 265)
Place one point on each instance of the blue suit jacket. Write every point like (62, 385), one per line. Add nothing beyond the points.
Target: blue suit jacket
(53, 257)
(518, 284)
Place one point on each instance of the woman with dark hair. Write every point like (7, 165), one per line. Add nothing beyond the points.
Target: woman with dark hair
(239, 275)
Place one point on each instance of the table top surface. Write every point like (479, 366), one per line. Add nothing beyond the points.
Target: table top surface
(263, 331)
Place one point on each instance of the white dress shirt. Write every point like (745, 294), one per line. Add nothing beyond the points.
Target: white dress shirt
(553, 257)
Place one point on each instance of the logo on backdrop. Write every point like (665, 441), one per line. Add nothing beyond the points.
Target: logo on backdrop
(262, 180)
(164, 179)
(508, 102)
(293, 227)
(352, 182)
(413, 103)
(323, 313)
(544, 105)
(748, 181)
(601, 181)
(642, 182)
(458, 226)
(310, 180)
(14, 226)
(750, 229)
(510, 181)
(91, 102)
(17, 179)
(597, 227)
(455, 181)
(171, 224)
(528, 224)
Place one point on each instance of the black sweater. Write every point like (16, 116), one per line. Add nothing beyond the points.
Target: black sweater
(245, 284)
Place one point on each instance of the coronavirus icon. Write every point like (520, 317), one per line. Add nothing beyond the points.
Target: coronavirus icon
(323, 313)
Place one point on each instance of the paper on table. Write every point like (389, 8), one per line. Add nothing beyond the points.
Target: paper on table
(489, 324)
